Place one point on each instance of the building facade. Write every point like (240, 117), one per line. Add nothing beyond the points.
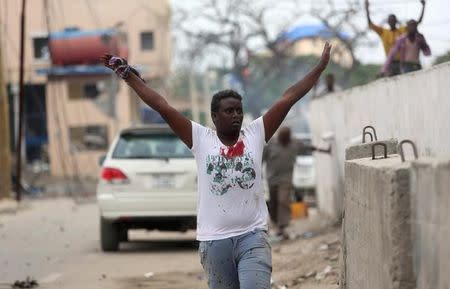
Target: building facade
(74, 108)
(305, 40)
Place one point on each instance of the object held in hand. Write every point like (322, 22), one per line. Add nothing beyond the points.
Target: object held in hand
(121, 67)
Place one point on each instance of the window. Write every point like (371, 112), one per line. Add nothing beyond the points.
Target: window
(147, 146)
(92, 137)
(147, 42)
(78, 91)
(40, 48)
(91, 91)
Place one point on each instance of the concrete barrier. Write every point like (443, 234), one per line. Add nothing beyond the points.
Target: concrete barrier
(364, 150)
(430, 203)
(359, 151)
(412, 106)
(377, 245)
(396, 232)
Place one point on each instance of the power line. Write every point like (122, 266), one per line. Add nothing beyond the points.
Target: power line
(60, 148)
(94, 14)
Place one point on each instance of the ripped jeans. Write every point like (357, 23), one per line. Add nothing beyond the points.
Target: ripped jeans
(240, 262)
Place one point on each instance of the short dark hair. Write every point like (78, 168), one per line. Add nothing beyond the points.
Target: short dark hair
(412, 21)
(218, 96)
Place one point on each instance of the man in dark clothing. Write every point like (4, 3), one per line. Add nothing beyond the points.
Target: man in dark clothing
(280, 156)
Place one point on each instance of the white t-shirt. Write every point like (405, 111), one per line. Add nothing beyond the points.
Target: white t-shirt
(231, 194)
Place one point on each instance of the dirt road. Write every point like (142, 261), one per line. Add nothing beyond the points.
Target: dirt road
(56, 242)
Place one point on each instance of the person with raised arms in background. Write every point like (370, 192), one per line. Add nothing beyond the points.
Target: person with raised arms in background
(409, 46)
(389, 35)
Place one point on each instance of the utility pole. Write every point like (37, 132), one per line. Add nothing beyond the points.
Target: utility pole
(194, 97)
(5, 152)
(21, 101)
(207, 97)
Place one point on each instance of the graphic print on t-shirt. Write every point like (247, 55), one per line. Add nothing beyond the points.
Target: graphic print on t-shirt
(229, 169)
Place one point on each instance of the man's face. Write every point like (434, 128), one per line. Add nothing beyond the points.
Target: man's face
(411, 27)
(229, 116)
(284, 136)
(392, 21)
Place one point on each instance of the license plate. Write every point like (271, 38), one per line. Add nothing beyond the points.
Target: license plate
(163, 181)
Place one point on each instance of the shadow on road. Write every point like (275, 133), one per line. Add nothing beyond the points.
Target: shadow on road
(138, 246)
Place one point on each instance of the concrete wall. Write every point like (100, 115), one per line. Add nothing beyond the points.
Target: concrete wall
(377, 230)
(430, 203)
(327, 118)
(413, 106)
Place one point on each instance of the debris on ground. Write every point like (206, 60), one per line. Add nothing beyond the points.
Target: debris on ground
(328, 269)
(149, 275)
(323, 247)
(311, 260)
(27, 283)
(308, 260)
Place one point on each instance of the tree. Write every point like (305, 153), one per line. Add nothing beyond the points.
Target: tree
(236, 28)
(343, 18)
(242, 29)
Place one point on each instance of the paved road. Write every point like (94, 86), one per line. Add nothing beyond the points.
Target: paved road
(57, 242)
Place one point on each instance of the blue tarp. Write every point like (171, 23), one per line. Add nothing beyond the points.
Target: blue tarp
(76, 33)
(74, 70)
(309, 31)
(71, 70)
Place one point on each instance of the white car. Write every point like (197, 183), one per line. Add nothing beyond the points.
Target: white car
(148, 180)
(304, 174)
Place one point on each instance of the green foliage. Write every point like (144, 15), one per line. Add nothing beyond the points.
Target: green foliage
(267, 81)
(363, 74)
(203, 117)
(442, 58)
(271, 84)
(180, 84)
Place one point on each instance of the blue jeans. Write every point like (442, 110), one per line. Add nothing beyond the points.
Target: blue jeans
(240, 262)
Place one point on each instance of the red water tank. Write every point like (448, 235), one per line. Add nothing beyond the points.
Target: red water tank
(74, 47)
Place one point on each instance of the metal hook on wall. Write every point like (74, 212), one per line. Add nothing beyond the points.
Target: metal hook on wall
(400, 149)
(364, 137)
(379, 144)
(374, 133)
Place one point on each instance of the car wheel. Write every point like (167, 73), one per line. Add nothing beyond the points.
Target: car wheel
(109, 235)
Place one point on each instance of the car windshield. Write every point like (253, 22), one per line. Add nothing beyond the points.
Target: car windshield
(143, 146)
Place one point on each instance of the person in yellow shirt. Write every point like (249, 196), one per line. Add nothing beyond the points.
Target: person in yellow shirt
(389, 36)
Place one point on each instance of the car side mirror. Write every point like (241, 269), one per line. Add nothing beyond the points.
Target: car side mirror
(101, 160)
